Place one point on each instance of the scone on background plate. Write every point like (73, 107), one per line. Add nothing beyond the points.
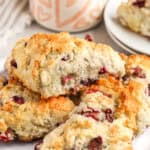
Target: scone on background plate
(25, 116)
(57, 64)
(104, 120)
(135, 14)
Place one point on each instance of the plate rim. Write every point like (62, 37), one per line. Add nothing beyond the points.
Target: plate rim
(108, 21)
(120, 44)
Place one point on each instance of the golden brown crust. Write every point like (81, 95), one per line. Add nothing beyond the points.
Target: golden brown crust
(28, 117)
(141, 60)
(87, 121)
(43, 60)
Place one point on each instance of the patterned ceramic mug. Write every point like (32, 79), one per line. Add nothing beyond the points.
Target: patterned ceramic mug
(67, 15)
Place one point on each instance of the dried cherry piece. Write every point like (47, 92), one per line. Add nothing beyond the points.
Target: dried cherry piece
(25, 44)
(88, 37)
(18, 100)
(96, 144)
(102, 70)
(88, 82)
(13, 63)
(148, 89)
(138, 72)
(108, 115)
(125, 77)
(5, 82)
(65, 79)
(7, 136)
(91, 113)
(4, 138)
(65, 58)
(139, 3)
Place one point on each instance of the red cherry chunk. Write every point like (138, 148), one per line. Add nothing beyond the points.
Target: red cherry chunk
(139, 3)
(138, 72)
(96, 144)
(18, 100)
(91, 113)
(88, 37)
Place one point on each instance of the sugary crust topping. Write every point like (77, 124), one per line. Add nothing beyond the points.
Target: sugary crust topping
(34, 61)
(142, 60)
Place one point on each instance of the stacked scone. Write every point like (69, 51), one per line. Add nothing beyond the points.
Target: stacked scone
(135, 14)
(46, 71)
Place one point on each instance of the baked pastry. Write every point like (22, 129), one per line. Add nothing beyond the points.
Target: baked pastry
(104, 120)
(3, 82)
(135, 14)
(138, 69)
(24, 116)
(57, 64)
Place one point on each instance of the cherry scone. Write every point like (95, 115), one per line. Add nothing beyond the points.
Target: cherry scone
(58, 64)
(25, 116)
(135, 14)
(106, 119)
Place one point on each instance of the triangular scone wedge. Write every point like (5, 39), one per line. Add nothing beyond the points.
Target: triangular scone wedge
(58, 64)
(104, 120)
(25, 116)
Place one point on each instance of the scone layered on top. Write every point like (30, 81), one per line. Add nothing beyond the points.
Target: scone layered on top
(25, 116)
(57, 64)
(106, 119)
(135, 14)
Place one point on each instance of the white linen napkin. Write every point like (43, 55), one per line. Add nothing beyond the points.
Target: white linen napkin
(14, 18)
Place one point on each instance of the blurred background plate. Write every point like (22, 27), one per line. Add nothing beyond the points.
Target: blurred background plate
(132, 40)
(123, 46)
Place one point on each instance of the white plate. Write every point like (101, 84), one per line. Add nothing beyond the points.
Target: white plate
(129, 38)
(131, 51)
(17, 146)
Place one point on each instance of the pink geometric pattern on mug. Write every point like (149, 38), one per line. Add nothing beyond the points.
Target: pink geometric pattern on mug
(94, 11)
(51, 12)
(42, 14)
(46, 3)
(81, 23)
(70, 3)
(60, 23)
